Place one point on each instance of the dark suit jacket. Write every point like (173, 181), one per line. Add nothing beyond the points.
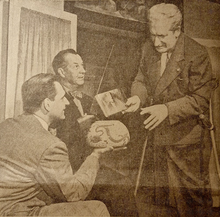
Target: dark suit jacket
(35, 169)
(68, 130)
(181, 143)
(185, 88)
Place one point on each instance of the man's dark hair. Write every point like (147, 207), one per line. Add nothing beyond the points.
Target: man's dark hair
(36, 90)
(59, 59)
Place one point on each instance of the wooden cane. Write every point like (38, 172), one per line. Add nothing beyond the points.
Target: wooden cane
(213, 142)
(140, 167)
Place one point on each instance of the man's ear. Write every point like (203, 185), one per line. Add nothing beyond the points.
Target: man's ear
(61, 72)
(177, 32)
(46, 105)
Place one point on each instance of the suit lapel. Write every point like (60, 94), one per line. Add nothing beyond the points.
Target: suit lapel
(72, 107)
(172, 69)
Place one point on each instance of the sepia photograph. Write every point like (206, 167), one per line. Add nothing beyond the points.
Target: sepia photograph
(111, 102)
(110, 108)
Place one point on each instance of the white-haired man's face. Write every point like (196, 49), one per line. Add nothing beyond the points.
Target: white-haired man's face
(163, 38)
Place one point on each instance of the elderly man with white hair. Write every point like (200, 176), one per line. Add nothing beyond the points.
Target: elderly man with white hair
(173, 87)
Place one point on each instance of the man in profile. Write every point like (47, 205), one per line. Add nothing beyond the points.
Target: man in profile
(70, 71)
(173, 88)
(111, 186)
(36, 176)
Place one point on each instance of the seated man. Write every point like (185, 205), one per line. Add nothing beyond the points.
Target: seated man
(111, 186)
(36, 176)
(69, 68)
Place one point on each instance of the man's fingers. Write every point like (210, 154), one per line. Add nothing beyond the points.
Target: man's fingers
(157, 114)
(128, 103)
(144, 111)
(119, 149)
(149, 119)
(154, 125)
(132, 108)
(103, 150)
(132, 104)
(131, 101)
(109, 148)
(150, 124)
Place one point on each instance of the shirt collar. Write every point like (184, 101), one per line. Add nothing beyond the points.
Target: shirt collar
(43, 122)
(68, 87)
(169, 55)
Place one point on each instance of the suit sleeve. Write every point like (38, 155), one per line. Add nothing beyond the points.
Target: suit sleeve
(196, 102)
(55, 175)
(138, 86)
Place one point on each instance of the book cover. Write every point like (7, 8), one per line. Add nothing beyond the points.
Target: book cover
(111, 102)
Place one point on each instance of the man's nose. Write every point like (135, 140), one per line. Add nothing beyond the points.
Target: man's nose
(66, 101)
(157, 41)
(82, 70)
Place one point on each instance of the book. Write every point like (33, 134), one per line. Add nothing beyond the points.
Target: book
(111, 102)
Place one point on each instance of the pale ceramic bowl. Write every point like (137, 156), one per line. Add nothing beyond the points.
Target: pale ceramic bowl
(108, 133)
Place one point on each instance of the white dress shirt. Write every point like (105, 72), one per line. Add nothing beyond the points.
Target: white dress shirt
(164, 59)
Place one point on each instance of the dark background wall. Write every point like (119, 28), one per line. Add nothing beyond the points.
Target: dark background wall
(103, 39)
(97, 33)
(202, 19)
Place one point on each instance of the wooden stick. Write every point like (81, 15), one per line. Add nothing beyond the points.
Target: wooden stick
(140, 167)
(213, 142)
(103, 75)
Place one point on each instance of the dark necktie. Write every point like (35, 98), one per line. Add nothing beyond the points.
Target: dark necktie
(77, 96)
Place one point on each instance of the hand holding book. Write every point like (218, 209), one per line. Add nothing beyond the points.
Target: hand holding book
(132, 104)
(111, 102)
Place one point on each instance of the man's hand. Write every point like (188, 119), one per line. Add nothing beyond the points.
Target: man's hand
(97, 152)
(157, 114)
(132, 104)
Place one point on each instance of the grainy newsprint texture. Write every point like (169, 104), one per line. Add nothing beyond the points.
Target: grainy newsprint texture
(110, 108)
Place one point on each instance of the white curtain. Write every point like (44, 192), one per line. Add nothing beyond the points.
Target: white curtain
(41, 37)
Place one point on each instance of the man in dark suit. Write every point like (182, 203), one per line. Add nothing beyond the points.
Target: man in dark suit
(173, 87)
(36, 176)
(112, 187)
(69, 68)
